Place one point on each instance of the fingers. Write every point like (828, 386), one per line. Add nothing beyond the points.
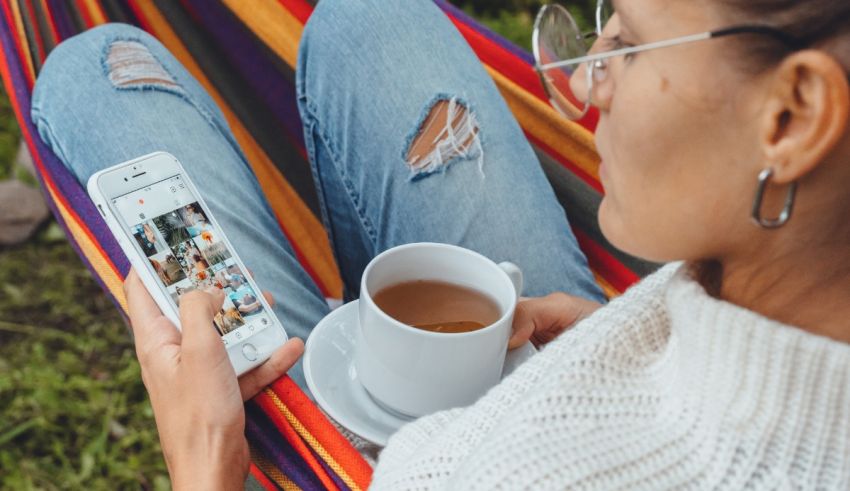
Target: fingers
(142, 308)
(280, 362)
(267, 294)
(523, 326)
(543, 319)
(269, 298)
(197, 311)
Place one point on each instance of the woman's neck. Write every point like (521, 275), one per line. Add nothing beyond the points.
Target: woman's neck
(808, 288)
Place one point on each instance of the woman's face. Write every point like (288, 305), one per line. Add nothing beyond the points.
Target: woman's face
(676, 135)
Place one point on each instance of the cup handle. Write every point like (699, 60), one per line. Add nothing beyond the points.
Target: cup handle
(515, 274)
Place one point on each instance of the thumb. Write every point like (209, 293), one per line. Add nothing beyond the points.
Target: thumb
(200, 337)
(523, 325)
(543, 319)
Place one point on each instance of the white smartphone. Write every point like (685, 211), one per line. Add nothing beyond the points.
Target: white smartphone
(175, 244)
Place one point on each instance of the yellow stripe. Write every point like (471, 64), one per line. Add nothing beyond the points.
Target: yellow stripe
(114, 283)
(311, 440)
(25, 45)
(608, 289)
(275, 474)
(304, 228)
(273, 24)
(95, 12)
(281, 32)
(570, 139)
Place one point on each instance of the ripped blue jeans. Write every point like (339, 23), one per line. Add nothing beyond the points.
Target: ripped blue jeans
(408, 138)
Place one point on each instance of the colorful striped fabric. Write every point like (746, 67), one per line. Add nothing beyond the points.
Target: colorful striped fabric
(244, 54)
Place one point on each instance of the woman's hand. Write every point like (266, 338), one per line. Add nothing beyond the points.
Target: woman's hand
(196, 397)
(542, 319)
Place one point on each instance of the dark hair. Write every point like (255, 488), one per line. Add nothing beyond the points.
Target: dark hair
(810, 22)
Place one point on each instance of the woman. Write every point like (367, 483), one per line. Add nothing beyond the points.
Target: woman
(727, 369)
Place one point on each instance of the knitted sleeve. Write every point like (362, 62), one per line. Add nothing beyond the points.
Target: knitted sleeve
(427, 452)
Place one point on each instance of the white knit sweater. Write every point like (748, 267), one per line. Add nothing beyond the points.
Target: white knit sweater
(665, 388)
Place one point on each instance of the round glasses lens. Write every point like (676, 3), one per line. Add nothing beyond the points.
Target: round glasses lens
(557, 38)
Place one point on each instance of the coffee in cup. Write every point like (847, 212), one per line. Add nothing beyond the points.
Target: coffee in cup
(438, 306)
(404, 356)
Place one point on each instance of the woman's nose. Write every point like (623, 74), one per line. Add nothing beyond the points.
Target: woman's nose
(580, 83)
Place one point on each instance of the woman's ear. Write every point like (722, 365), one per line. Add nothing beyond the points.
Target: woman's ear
(805, 115)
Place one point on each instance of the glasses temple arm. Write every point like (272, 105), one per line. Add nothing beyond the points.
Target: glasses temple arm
(626, 51)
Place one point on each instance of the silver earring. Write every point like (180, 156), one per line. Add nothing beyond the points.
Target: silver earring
(772, 223)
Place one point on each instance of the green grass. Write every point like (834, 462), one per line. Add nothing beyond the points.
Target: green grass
(74, 412)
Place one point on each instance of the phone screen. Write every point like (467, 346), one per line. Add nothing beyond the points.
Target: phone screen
(186, 252)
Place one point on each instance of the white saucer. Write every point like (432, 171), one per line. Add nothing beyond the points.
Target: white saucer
(332, 379)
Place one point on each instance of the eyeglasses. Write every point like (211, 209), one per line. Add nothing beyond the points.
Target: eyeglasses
(561, 51)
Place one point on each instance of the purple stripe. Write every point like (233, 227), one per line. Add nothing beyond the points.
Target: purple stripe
(485, 31)
(129, 13)
(335, 478)
(62, 18)
(246, 53)
(66, 183)
(263, 434)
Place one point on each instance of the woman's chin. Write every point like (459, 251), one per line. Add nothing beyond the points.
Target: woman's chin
(624, 234)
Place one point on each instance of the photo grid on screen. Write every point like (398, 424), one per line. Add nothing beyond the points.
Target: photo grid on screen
(187, 254)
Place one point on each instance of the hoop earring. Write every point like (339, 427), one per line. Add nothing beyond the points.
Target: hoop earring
(772, 223)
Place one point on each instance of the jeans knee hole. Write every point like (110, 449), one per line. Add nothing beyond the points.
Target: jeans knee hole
(448, 131)
(132, 65)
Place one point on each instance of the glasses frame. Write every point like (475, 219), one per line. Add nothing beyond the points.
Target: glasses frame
(598, 60)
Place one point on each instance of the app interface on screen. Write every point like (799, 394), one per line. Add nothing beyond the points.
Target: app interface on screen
(187, 253)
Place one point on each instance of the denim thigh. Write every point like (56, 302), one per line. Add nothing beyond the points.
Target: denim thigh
(95, 111)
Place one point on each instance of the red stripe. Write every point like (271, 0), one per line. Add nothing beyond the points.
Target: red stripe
(302, 259)
(39, 41)
(261, 478)
(140, 15)
(606, 265)
(84, 13)
(511, 66)
(282, 424)
(299, 9)
(13, 32)
(323, 431)
(37, 159)
(501, 59)
(51, 22)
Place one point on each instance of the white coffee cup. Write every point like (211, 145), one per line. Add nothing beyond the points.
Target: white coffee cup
(416, 372)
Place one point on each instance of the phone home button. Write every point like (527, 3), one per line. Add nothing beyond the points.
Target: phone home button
(249, 351)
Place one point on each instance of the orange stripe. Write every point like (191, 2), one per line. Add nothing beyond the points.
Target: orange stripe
(264, 400)
(96, 256)
(96, 15)
(22, 43)
(51, 22)
(299, 222)
(273, 472)
(273, 24)
(571, 140)
(607, 288)
(36, 33)
(328, 457)
(84, 13)
(91, 250)
(322, 431)
(261, 478)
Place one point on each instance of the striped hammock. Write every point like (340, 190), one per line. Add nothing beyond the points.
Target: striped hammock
(244, 54)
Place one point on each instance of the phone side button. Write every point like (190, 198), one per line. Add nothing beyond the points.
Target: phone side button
(249, 351)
